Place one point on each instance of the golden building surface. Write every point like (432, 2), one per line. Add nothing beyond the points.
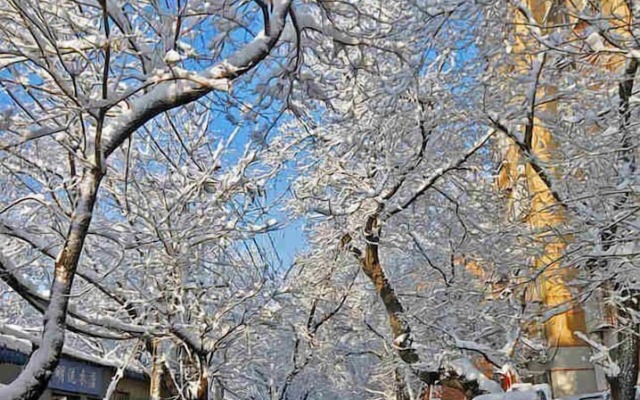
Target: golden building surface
(540, 208)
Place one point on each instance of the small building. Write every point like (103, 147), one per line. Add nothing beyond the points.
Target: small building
(79, 376)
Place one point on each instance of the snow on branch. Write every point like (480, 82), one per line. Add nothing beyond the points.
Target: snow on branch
(185, 87)
(439, 174)
(601, 356)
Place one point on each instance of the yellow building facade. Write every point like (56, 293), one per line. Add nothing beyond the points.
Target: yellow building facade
(530, 165)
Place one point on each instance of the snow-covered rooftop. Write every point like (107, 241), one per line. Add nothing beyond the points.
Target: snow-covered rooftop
(13, 337)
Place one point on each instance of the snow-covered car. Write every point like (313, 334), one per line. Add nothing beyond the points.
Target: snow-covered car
(529, 395)
(525, 391)
(588, 396)
(605, 395)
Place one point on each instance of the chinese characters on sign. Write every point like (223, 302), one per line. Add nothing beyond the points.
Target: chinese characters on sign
(77, 377)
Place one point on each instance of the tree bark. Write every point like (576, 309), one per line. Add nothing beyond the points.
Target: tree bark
(155, 385)
(372, 268)
(400, 386)
(626, 355)
(627, 352)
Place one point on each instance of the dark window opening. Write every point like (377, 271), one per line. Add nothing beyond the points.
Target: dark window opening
(122, 395)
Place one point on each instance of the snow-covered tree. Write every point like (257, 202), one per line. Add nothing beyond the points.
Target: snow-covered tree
(384, 179)
(566, 112)
(82, 83)
(466, 172)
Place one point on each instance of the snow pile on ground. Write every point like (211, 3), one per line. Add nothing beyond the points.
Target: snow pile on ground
(528, 395)
(464, 367)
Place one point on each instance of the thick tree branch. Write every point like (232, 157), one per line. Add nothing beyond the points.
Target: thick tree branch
(400, 328)
(185, 87)
(40, 303)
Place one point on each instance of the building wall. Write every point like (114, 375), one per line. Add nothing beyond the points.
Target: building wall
(137, 390)
(569, 369)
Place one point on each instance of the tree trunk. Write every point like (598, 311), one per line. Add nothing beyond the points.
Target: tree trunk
(156, 371)
(371, 266)
(34, 378)
(202, 393)
(627, 353)
(623, 385)
(400, 386)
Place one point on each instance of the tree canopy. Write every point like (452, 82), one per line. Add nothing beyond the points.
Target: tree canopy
(349, 199)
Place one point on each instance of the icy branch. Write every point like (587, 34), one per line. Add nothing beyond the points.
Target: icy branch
(187, 87)
(601, 356)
